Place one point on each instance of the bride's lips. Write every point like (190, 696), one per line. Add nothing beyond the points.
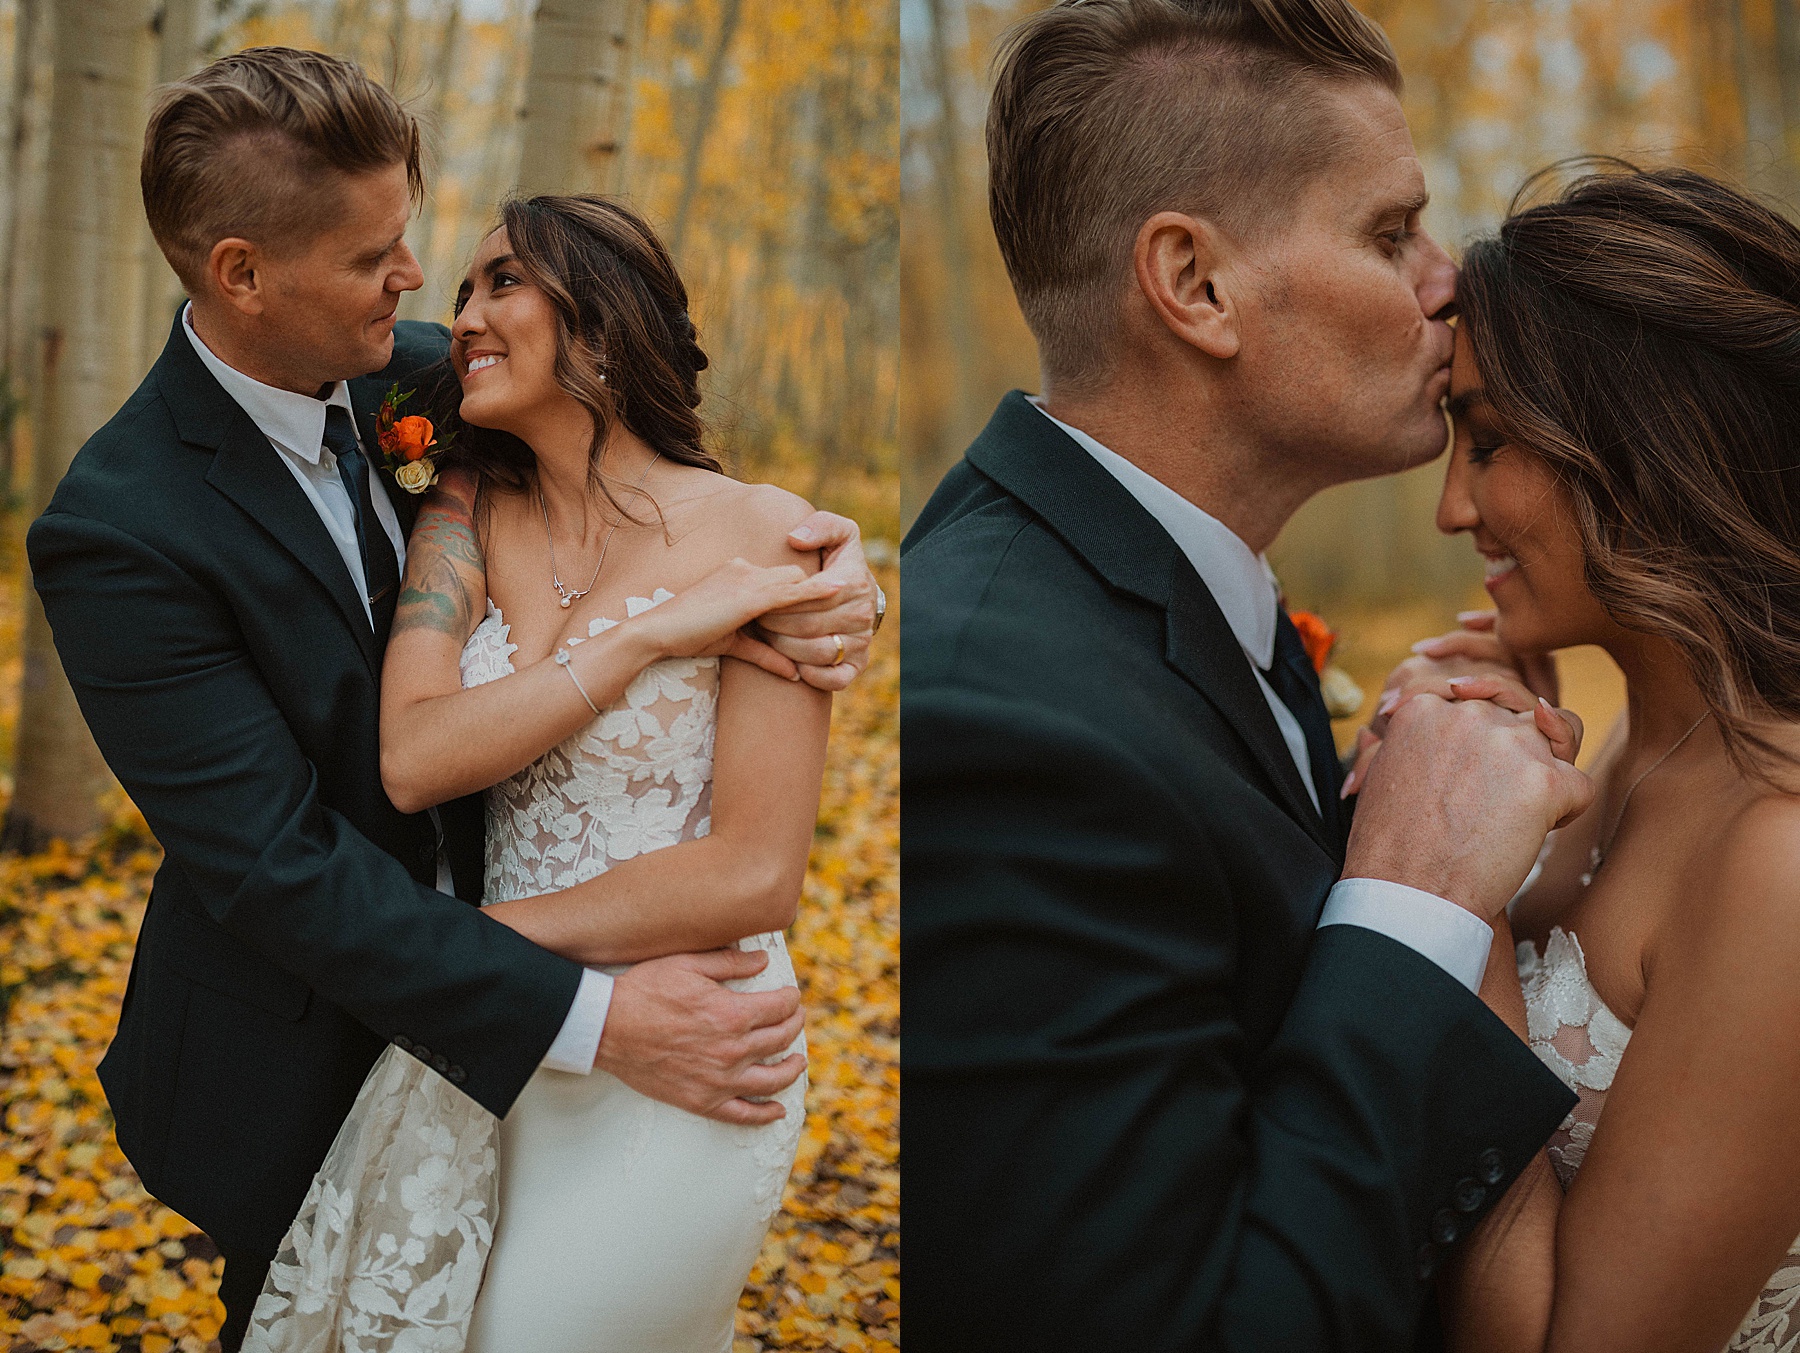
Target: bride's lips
(475, 363)
(1500, 567)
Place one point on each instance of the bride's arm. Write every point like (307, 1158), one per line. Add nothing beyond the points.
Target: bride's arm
(1689, 1194)
(439, 741)
(741, 879)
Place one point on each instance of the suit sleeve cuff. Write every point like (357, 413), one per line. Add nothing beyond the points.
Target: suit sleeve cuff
(1455, 939)
(579, 1040)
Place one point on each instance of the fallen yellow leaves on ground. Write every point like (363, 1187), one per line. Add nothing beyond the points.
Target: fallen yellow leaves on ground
(88, 1260)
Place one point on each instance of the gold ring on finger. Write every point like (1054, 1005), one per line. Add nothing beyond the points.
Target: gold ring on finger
(838, 656)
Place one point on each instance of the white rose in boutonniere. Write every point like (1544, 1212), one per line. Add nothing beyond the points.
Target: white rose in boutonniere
(1343, 697)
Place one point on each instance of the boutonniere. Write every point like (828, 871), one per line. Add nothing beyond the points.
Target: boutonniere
(406, 443)
(1343, 697)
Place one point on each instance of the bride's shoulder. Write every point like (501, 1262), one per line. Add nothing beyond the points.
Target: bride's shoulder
(733, 519)
(1756, 873)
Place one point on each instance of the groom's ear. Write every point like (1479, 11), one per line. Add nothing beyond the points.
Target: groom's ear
(234, 273)
(1178, 260)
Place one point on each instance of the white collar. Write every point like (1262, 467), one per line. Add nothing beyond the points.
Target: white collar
(1240, 580)
(294, 422)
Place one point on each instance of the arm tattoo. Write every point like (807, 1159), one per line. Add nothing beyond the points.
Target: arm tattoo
(443, 562)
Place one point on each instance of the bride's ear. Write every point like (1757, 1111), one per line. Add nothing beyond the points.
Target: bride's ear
(1177, 259)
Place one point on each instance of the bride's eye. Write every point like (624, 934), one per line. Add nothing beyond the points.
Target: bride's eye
(1480, 453)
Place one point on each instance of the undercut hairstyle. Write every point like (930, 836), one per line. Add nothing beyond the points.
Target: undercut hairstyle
(252, 147)
(1640, 334)
(626, 348)
(1106, 112)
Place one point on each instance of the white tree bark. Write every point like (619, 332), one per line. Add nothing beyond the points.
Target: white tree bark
(427, 301)
(28, 135)
(102, 67)
(577, 112)
(180, 51)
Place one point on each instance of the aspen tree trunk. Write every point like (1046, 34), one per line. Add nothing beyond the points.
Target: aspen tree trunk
(102, 69)
(577, 113)
(964, 417)
(500, 148)
(349, 26)
(427, 301)
(180, 51)
(28, 135)
(706, 109)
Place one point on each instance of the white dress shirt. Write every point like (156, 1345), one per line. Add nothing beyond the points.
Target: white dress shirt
(295, 427)
(1243, 585)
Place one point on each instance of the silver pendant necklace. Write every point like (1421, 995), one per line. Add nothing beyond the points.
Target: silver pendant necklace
(570, 598)
(1597, 852)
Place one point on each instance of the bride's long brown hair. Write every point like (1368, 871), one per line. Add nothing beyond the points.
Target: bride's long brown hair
(626, 348)
(1640, 333)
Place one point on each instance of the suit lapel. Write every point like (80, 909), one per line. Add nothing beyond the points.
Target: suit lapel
(1031, 458)
(1205, 651)
(248, 471)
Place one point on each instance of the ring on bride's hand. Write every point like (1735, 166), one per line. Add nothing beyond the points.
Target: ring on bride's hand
(838, 656)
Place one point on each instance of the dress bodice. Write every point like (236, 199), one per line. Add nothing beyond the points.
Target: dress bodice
(639, 777)
(1582, 1041)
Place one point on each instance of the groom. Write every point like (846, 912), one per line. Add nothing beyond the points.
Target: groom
(219, 568)
(1189, 1065)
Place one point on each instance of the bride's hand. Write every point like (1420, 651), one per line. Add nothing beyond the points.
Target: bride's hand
(708, 619)
(1477, 643)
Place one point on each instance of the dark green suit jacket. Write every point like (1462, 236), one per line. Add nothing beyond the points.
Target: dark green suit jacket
(228, 671)
(1147, 1104)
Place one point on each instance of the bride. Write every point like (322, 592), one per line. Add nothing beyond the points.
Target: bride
(571, 587)
(1626, 399)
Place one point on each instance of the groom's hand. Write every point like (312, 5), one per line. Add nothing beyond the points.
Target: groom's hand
(674, 1033)
(1459, 799)
(808, 635)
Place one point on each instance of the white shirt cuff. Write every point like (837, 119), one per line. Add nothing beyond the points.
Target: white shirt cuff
(1450, 936)
(579, 1041)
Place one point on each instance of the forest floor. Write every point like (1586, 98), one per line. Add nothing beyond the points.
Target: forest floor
(88, 1260)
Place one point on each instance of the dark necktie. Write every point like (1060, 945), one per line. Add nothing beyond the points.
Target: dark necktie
(381, 570)
(1292, 677)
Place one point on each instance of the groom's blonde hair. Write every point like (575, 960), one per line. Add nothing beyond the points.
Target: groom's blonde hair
(254, 145)
(1108, 111)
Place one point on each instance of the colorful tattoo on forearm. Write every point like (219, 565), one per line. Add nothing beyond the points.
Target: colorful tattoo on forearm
(446, 573)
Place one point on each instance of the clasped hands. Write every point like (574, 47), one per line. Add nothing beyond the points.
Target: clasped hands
(1466, 767)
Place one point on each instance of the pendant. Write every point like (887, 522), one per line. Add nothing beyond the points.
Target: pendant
(1594, 859)
(565, 602)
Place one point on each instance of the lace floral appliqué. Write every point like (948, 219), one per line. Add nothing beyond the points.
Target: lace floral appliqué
(1582, 1042)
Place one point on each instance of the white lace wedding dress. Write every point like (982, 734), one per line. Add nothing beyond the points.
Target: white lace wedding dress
(1582, 1041)
(591, 1219)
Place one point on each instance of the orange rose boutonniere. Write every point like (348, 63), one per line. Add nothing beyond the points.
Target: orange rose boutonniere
(406, 442)
(1343, 697)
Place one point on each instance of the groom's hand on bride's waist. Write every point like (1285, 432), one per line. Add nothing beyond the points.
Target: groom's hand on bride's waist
(1460, 797)
(674, 1033)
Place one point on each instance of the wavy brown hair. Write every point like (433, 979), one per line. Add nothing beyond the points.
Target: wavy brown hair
(1640, 333)
(626, 349)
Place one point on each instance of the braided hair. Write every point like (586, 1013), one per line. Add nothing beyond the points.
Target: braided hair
(626, 348)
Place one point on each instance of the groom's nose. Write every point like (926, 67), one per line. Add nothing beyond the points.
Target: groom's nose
(407, 274)
(1437, 279)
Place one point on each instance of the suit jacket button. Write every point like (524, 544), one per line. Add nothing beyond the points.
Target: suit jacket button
(1427, 1260)
(1443, 1226)
(1468, 1196)
(442, 1063)
(1489, 1167)
(402, 1042)
(457, 1075)
(422, 1052)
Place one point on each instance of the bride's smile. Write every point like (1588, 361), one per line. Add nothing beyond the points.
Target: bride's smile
(1523, 525)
